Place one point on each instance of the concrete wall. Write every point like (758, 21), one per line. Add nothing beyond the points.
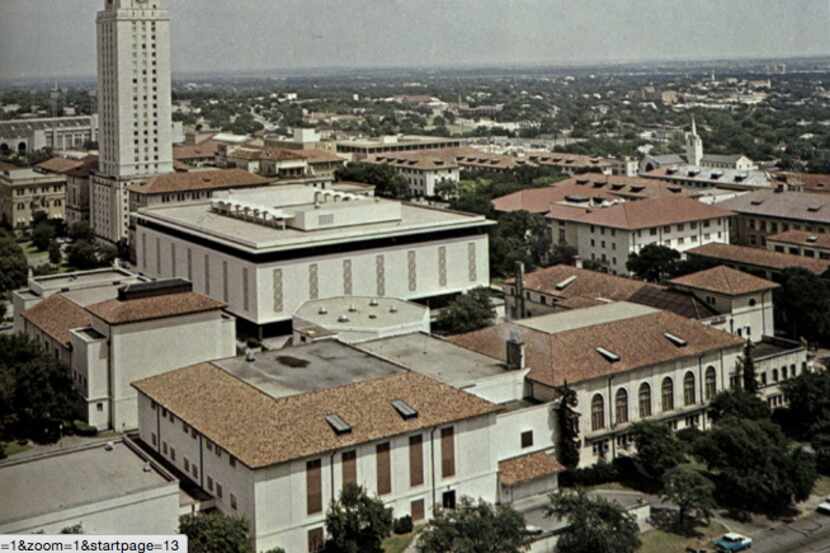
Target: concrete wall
(277, 290)
(538, 419)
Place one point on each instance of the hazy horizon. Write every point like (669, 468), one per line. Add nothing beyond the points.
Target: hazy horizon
(41, 39)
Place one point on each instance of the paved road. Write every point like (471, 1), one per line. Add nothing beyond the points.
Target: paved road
(807, 535)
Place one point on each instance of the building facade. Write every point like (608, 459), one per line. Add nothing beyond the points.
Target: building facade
(308, 244)
(24, 192)
(57, 133)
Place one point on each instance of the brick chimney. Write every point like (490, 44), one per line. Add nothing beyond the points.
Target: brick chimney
(515, 351)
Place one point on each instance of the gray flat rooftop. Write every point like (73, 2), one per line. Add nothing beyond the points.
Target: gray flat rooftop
(68, 479)
(81, 278)
(307, 368)
(437, 358)
(198, 218)
(363, 313)
(589, 316)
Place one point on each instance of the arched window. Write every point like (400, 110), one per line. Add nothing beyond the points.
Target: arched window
(711, 383)
(645, 400)
(775, 375)
(689, 389)
(668, 394)
(621, 406)
(597, 413)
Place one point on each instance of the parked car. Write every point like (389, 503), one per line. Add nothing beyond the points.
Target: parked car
(532, 530)
(732, 542)
(824, 507)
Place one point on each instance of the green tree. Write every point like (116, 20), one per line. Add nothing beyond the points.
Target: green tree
(693, 494)
(81, 231)
(595, 525)
(14, 270)
(474, 528)
(42, 235)
(756, 468)
(467, 312)
(739, 404)
(54, 252)
(803, 305)
(36, 391)
(658, 450)
(357, 523)
(808, 403)
(215, 533)
(654, 263)
(519, 237)
(563, 254)
(746, 365)
(85, 255)
(567, 417)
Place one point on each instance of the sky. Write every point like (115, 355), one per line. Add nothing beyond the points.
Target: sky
(56, 38)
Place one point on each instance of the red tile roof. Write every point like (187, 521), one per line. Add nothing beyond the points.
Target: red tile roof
(527, 468)
(757, 257)
(56, 316)
(261, 430)
(117, 311)
(205, 150)
(572, 355)
(199, 180)
(725, 280)
(802, 238)
(653, 212)
(59, 165)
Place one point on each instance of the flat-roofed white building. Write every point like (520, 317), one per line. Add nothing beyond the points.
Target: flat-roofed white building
(278, 450)
(106, 488)
(266, 252)
(109, 336)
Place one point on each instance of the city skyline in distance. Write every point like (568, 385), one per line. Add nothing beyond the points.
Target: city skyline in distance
(252, 36)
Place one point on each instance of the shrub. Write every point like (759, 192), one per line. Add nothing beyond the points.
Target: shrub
(84, 429)
(403, 525)
(600, 473)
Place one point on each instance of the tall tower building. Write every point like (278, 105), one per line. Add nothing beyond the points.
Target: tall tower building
(694, 146)
(134, 107)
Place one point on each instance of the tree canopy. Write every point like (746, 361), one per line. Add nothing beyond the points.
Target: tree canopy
(467, 312)
(14, 269)
(654, 263)
(658, 449)
(357, 523)
(215, 533)
(693, 494)
(474, 528)
(802, 305)
(519, 237)
(595, 525)
(739, 404)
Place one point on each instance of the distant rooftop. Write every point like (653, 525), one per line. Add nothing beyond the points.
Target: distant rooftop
(44, 484)
(360, 313)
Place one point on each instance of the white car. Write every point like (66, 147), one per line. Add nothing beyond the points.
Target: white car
(824, 507)
(732, 543)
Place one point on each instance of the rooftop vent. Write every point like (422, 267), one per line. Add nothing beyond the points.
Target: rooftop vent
(813, 208)
(609, 355)
(393, 309)
(676, 340)
(637, 188)
(812, 238)
(373, 302)
(322, 311)
(352, 308)
(565, 283)
(372, 316)
(756, 202)
(343, 319)
(404, 409)
(338, 424)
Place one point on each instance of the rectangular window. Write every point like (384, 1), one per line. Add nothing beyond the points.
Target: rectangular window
(416, 460)
(314, 489)
(349, 461)
(447, 452)
(384, 468)
(225, 283)
(210, 484)
(416, 510)
(219, 490)
(315, 540)
(527, 439)
(233, 502)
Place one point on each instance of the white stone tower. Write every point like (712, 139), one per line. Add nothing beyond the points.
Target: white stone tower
(694, 146)
(134, 108)
(134, 91)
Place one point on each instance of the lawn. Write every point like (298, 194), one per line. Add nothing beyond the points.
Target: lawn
(658, 541)
(13, 448)
(33, 256)
(397, 543)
